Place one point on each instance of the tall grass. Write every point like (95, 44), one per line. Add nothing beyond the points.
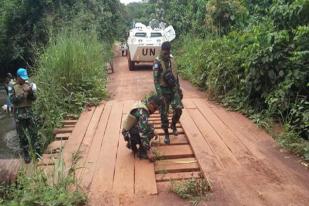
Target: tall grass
(69, 74)
(35, 186)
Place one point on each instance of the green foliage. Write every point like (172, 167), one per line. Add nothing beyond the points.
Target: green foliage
(261, 69)
(69, 74)
(33, 187)
(221, 15)
(21, 26)
(139, 12)
(291, 140)
(191, 189)
(27, 24)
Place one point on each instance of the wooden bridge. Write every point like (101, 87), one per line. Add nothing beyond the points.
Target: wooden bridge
(243, 164)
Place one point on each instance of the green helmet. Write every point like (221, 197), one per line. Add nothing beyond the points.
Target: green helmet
(154, 99)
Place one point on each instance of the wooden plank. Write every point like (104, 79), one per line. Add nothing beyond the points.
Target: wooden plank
(62, 136)
(174, 151)
(69, 122)
(91, 164)
(127, 106)
(63, 130)
(232, 142)
(239, 126)
(104, 175)
(157, 115)
(67, 126)
(48, 159)
(206, 158)
(188, 104)
(158, 126)
(55, 147)
(170, 131)
(9, 170)
(179, 140)
(176, 165)
(73, 143)
(157, 118)
(225, 156)
(177, 176)
(89, 136)
(145, 179)
(124, 169)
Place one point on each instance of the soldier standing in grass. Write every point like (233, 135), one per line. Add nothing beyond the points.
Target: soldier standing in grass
(167, 85)
(137, 131)
(22, 95)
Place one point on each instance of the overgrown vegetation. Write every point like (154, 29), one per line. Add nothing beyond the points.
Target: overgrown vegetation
(192, 189)
(251, 56)
(28, 24)
(36, 187)
(70, 74)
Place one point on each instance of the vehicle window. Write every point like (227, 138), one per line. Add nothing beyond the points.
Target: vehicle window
(140, 34)
(157, 34)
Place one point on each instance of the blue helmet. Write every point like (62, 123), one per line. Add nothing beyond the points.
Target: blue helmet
(22, 73)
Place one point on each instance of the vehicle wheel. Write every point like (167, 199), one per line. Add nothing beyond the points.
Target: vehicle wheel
(131, 64)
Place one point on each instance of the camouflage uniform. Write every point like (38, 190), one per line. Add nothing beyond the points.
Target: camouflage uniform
(139, 132)
(170, 95)
(25, 122)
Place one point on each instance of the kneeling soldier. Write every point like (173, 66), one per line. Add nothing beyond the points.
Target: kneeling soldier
(136, 129)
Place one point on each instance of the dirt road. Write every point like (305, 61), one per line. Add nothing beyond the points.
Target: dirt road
(252, 169)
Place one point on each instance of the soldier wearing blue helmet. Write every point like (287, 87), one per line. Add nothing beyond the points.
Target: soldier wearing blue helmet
(22, 94)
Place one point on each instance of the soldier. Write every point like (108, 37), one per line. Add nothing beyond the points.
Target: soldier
(168, 89)
(22, 94)
(9, 82)
(136, 129)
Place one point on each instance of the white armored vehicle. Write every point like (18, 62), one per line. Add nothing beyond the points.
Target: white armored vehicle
(144, 42)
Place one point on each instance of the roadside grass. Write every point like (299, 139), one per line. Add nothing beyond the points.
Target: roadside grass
(230, 69)
(291, 141)
(70, 73)
(194, 190)
(35, 186)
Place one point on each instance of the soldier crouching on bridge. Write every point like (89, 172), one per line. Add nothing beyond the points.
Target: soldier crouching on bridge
(168, 89)
(136, 129)
(22, 95)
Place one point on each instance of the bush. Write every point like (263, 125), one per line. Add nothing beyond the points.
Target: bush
(69, 74)
(191, 189)
(261, 71)
(33, 187)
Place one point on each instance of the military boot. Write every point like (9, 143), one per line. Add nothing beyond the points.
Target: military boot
(174, 128)
(142, 153)
(166, 137)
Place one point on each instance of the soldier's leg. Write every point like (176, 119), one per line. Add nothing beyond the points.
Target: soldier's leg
(164, 113)
(33, 134)
(134, 140)
(21, 128)
(164, 117)
(177, 111)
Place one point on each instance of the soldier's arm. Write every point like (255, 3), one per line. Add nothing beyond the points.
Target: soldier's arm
(156, 77)
(146, 132)
(175, 72)
(32, 91)
(32, 95)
